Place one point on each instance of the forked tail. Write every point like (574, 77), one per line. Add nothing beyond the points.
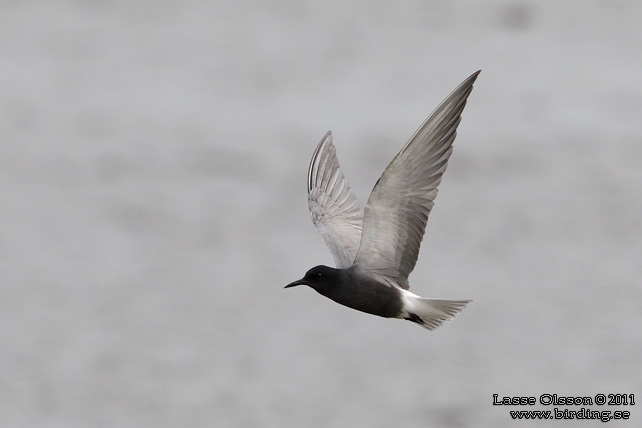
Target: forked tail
(431, 313)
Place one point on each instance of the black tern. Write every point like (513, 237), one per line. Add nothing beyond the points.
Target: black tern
(377, 249)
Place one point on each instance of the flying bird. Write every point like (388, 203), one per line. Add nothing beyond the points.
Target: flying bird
(376, 250)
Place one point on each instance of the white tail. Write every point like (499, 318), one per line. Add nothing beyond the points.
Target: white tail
(430, 313)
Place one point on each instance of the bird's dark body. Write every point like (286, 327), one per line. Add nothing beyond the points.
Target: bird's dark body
(357, 291)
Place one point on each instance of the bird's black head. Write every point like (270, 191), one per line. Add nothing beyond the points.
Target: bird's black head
(320, 278)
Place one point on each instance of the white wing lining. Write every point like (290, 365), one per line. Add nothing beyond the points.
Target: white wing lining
(333, 207)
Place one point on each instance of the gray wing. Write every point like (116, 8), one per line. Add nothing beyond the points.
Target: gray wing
(397, 210)
(334, 208)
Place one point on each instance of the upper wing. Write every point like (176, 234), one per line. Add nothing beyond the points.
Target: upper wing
(334, 208)
(399, 205)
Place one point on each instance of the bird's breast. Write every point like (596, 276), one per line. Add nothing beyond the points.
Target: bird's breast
(367, 295)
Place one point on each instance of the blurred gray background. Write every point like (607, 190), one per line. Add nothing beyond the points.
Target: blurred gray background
(153, 158)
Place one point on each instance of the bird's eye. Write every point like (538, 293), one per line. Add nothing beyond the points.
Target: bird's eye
(319, 275)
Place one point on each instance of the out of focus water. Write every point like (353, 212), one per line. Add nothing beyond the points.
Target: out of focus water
(153, 158)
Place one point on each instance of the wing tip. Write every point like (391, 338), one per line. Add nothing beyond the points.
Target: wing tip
(466, 85)
(312, 169)
(464, 89)
(473, 76)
